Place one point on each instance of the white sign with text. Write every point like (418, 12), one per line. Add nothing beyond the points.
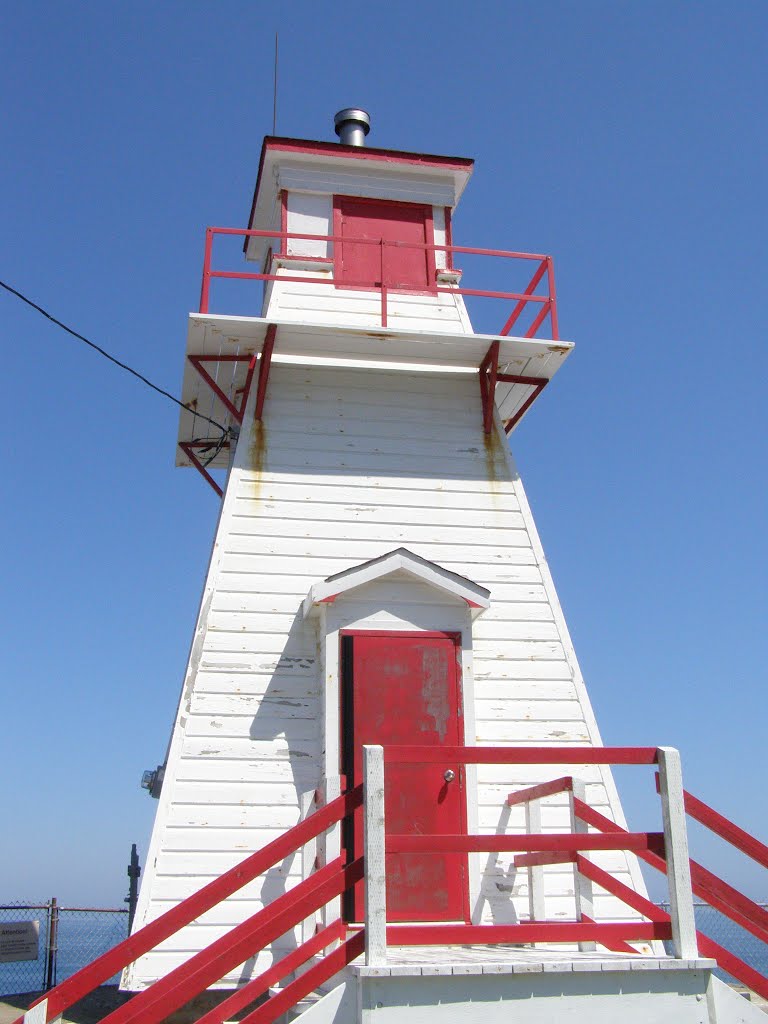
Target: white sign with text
(19, 940)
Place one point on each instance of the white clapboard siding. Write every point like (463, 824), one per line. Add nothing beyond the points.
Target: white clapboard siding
(347, 465)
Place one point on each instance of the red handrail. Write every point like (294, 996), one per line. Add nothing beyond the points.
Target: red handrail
(520, 755)
(211, 964)
(549, 931)
(724, 828)
(638, 842)
(545, 270)
(307, 982)
(104, 967)
(522, 796)
(746, 913)
(256, 988)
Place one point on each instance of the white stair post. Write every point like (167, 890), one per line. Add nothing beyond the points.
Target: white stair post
(374, 854)
(676, 849)
(582, 887)
(536, 904)
(328, 849)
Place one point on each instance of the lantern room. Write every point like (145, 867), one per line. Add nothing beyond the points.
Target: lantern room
(351, 261)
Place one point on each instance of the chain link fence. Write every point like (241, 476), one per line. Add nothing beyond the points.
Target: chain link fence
(27, 975)
(731, 936)
(70, 938)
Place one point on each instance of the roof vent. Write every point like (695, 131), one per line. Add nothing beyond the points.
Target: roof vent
(352, 125)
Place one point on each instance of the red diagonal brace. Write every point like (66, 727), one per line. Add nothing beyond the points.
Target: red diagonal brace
(265, 361)
(538, 384)
(236, 411)
(188, 447)
(489, 369)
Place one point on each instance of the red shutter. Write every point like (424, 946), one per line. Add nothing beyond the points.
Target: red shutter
(360, 265)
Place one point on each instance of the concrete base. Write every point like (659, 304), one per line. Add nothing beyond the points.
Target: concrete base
(530, 987)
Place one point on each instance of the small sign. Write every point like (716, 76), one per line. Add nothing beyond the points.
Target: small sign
(19, 940)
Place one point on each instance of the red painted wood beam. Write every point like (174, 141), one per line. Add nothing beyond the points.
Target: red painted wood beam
(538, 384)
(555, 931)
(489, 369)
(402, 754)
(265, 362)
(188, 447)
(707, 886)
(524, 302)
(229, 405)
(541, 859)
(495, 843)
(707, 947)
(724, 827)
(307, 982)
(615, 945)
(258, 986)
(522, 796)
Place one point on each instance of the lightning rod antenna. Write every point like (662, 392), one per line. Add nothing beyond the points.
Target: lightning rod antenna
(274, 101)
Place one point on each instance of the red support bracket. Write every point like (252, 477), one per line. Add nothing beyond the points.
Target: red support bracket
(188, 447)
(537, 383)
(522, 303)
(236, 411)
(489, 374)
(265, 362)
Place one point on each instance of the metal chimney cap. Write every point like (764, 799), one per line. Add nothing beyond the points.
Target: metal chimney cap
(352, 125)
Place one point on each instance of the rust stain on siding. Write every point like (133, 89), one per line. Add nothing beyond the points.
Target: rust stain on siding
(258, 454)
(495, 465)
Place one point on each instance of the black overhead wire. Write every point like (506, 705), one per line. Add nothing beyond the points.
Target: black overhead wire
(123, 366)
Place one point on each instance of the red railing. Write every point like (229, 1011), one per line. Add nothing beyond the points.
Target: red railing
(550, 847)
(667, 851)
(704, 884)
(244, 941)
(544, 272)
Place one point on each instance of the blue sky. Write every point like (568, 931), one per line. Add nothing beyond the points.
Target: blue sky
(627, 139)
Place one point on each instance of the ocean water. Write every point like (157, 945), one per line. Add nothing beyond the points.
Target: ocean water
(85, 935)
(82, 936)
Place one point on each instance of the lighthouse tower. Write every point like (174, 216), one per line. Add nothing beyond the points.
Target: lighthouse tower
(376, 575)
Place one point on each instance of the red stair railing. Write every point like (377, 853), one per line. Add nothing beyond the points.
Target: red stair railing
(663, 851)
(177, 987)
(707, 886)
(742, 910)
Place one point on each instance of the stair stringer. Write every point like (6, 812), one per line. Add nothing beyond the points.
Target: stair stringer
(727, 1006)
(337, 1006)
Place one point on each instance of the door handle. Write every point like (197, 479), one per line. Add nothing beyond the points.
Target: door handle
(449, 775)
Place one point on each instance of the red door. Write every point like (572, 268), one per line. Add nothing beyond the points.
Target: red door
(360, 265)
(404, 688)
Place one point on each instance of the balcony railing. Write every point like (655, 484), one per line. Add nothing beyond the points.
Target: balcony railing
(544, 304)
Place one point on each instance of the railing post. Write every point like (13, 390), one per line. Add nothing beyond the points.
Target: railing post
(552, 299)
(134, 873)
(52, 946)
(328, 849)
(383, 285)
(205, 287)
(38, 1014)
(582, 887)
(375, 867)
(536, 905)
(309, 856)
(676, 851)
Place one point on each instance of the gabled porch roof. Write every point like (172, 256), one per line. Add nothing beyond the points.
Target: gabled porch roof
(404, 561)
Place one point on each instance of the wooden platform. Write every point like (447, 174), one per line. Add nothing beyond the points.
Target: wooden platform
(408, 961)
